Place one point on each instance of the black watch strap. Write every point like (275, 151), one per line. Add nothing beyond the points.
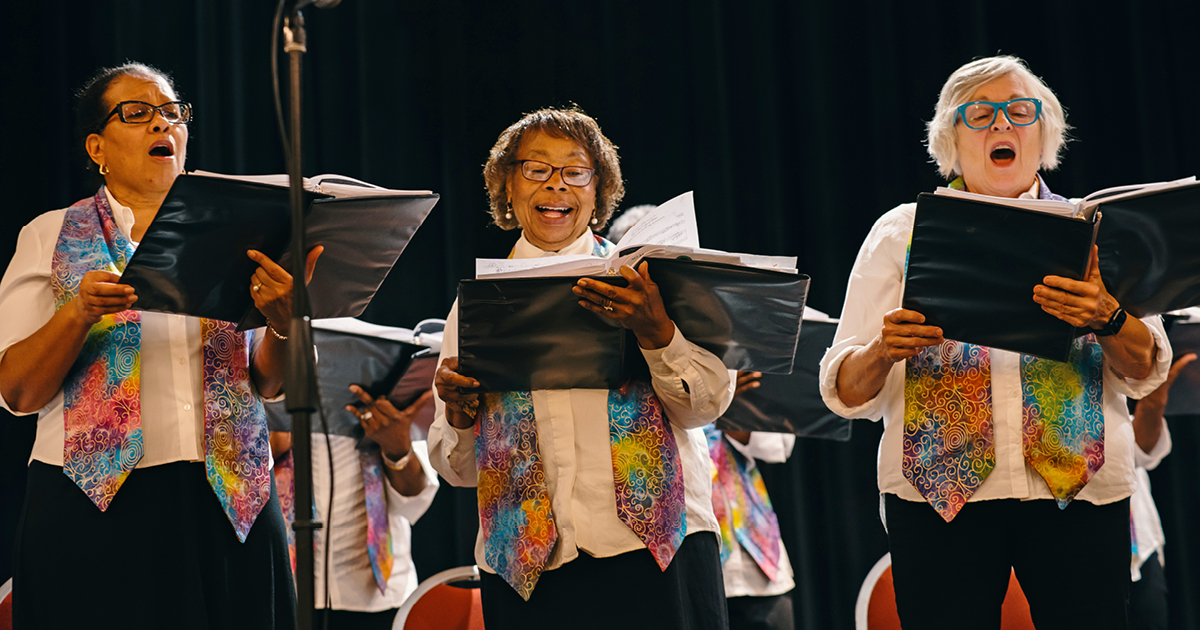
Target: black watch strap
(1114, 325)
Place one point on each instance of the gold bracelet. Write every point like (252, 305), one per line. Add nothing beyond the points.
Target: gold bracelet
(275, 332)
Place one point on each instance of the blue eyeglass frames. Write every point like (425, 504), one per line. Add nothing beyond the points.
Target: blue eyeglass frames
(1021, 112)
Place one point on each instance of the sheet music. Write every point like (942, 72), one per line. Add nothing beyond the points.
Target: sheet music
(533, 267)
(329, 184)
(672, 223)
(1049, 206)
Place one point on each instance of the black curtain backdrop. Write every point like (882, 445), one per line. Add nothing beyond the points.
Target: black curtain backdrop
(796, 123)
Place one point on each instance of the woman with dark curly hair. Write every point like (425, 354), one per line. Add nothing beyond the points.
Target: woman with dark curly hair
(601, 499)
(150, 502)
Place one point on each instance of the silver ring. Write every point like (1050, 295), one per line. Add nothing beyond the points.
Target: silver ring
(367, 415)
(256, 287)
(609, 308)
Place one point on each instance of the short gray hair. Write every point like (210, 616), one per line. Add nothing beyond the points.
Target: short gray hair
(942, 140)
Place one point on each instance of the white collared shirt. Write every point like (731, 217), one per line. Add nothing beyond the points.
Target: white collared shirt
(352, 582)
(743, 577)
(1146, 524)
(573, 440)
(172, 400)
(876, 287)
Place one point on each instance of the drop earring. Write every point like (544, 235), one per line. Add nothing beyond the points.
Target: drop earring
(508, 215)
(594, 219)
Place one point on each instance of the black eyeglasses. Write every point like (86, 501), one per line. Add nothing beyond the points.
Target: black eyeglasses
(138, 112)
(536, 171)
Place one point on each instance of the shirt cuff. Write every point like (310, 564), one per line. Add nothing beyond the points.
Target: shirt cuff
(1163, 355)
(1161, 449)
(829, 371)
(671, 359)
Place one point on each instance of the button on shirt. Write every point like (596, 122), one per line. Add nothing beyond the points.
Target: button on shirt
(876, 287)
(171, 379)
(573, 439)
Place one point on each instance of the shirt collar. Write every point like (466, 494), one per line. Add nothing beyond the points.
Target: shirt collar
(581, 246)
(121, 214)
(1033, 191)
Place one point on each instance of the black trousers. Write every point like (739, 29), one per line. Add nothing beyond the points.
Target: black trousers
(1073, 564)
(761, 613)
(1148, 597)
(163, 555)
(623, 592)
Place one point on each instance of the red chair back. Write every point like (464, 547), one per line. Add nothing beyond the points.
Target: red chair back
(447, 607)
(882, 615)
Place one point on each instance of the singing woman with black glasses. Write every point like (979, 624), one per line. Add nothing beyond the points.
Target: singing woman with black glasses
(150, 502)
(992, 461)
(595, 505)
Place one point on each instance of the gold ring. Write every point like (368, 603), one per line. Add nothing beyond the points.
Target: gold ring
(367, 415)
(256, 287)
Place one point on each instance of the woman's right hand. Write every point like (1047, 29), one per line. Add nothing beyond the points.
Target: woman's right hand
(460, 406)
(100, 295)
(904, 335)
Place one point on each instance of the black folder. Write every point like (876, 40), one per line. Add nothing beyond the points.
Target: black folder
(791, 403)
(192, 260)
(373, 363)
(530, 333)
(1184, 397)
(1150, 250)
(972, 267)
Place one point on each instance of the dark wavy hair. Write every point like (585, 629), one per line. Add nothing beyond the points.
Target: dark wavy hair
(569, 122)
(92, 108)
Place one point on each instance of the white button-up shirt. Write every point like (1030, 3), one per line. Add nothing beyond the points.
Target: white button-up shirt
(352, 583)
(876, 286)
(172, 397)
(573, 439)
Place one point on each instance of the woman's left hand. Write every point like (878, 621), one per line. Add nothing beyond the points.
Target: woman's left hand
(638, 307)
(387, 426)
(271, 287)
(1081, 303)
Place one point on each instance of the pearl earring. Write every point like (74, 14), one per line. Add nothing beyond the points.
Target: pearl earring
(595, 220)
(508, 215)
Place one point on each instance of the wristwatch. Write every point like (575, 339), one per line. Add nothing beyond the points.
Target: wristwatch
(399, 464)
(1114, 323)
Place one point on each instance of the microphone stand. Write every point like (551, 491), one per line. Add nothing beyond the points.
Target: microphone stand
(300, 375)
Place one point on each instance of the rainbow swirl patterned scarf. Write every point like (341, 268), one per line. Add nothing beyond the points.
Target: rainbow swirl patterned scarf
(102, 391)
(742, 507)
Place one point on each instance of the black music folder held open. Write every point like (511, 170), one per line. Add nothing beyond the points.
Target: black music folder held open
(972, 267)
(791, 403)
(378, 364)
(192, 260)
(530, 333)
(1150, 250)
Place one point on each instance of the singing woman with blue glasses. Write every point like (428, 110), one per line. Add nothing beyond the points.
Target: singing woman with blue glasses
(992, 461)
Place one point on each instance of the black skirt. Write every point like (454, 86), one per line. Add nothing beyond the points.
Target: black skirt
(625, 592)
(164, 555)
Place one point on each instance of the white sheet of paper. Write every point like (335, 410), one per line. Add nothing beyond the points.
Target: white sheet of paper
(672, 223)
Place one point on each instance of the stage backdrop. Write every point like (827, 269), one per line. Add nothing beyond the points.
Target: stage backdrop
(796, 123)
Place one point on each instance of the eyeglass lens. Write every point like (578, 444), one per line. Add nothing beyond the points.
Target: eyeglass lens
(135, 112)
(980, 115)
(541, 171)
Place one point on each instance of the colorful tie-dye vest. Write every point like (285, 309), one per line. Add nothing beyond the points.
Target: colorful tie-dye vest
(949, 444)
(519, 532)
(102, 391)
(741, 505)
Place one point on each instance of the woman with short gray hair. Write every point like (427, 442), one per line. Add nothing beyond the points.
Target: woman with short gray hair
(1026, 463)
